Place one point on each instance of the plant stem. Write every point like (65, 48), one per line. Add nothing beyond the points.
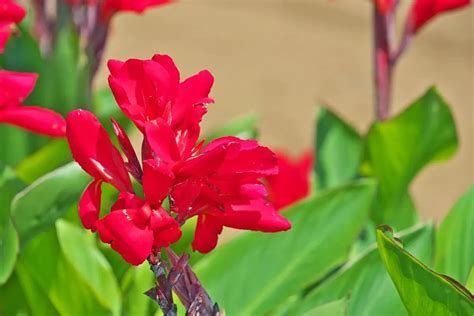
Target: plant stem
(383, 25)
(183, 281)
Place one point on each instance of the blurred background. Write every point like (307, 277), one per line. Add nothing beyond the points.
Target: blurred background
(281, 58)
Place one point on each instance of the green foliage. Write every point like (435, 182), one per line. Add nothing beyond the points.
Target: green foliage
(37, 207)
(422, 290)
(9, 246)
(455, 242)
(334, 308)
(397, 149)
(253, 264)
(339, 150)
(63, 273)
(45, 160)
(364, 281)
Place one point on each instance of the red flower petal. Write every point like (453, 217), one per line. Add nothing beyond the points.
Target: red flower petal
(16, 87)
(424, 10)
(193, 91)
(134, 244)
(245, 157)
(165, 228)
(92, 149)
(157, 181)
(292, 183)
(89, 205)
(162, 141)
(207, 234)
(254, 215)
(35, 119)
(10, 12)
(127, 200)
(204, 164)
(133, 163)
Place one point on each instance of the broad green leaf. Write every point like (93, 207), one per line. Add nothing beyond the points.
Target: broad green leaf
(49, 157)
(422, 290)
(255, 272)
(9, 186)
(470, 280)
(335, 308)
(63, 273)
(9, 246)
(242, 127)
(397, 149)
(12, 299)
(455, 239)
(366, 282)
(15, 145)
(39, 205)
(79, 248)
(339, 150)
(135, 283)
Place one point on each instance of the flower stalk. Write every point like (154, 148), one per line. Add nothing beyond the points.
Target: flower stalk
(383, 25)
(179, 277)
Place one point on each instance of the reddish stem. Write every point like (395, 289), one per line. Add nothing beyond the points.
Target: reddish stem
(383, 38)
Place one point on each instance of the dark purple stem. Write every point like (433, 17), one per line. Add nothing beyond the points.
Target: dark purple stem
(184, 282)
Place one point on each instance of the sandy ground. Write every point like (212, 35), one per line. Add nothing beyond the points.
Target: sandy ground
(279, 59)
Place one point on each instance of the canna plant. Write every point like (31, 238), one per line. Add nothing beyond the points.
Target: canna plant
(113, 202)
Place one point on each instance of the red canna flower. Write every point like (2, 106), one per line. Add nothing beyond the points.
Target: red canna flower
(10, 13)
(133, 227)
(292, 183)
(423, 11)
(219, 183)
(108, 8)
(15, 88)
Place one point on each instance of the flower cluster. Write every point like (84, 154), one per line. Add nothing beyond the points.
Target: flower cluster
(107, 8)
(15, 87)
(219, 182)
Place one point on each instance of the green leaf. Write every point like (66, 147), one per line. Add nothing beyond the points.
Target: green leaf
(455, 242)
(64, 274)
(9, 246)
(47, 199)
(366, 282)
(470, 280)
(135, 283)
(49, 157)
(242, 127)
(80, 251)
(334, 308)
(16, 145)
(397, 149)
(423, 291)
(339, 150)
(324, 227)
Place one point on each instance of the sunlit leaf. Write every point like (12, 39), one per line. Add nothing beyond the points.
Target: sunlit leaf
(339, 150)
(422, 290)
(455, 239)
